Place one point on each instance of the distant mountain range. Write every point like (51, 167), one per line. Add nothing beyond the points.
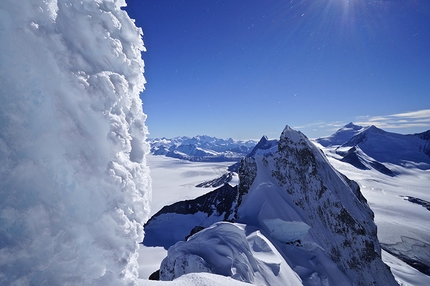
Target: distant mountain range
(202, 148)
(363, 147)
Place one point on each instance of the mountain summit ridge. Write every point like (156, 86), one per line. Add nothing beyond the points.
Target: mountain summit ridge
(380, 146)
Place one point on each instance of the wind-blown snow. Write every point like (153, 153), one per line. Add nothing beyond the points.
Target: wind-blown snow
(225, 249)
(75, 186)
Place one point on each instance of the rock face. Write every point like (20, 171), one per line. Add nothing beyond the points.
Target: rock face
(179, 219)
(315, 217)
(297, 183)
(224, 179)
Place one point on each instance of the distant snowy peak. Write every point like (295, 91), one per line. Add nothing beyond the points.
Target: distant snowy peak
(263, 146)
(412, 150)
(374, 147)
(363, 134)
(201, 148)
(341, 136)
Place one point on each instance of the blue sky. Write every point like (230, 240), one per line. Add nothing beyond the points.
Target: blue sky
(247, 68)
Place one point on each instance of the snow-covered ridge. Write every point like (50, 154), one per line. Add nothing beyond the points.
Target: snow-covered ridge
(201, 148)
(369, 145)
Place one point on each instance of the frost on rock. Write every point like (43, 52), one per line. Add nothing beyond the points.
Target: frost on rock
(75, 186)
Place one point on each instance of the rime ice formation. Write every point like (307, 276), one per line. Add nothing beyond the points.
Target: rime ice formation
(74, 183)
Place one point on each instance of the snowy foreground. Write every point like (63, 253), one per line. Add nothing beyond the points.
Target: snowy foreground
(75, 188)
(381, 192)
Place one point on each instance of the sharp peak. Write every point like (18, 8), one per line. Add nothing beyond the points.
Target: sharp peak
(293, 135)
(372, 128)
(264, 138)
(352, 125)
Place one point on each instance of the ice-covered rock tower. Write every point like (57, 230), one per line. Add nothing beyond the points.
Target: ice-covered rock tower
(74, 185)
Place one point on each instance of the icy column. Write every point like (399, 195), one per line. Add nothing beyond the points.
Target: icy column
(74, 186)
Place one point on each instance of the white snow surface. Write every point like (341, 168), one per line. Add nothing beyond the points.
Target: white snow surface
(75, 187)
(399, 222)
(374, 185)
(225, 249)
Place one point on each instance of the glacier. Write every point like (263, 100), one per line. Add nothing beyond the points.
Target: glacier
(75, 186)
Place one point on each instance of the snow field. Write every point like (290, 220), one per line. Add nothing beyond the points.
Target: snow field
(151, 257)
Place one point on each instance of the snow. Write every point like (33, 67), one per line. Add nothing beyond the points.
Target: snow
(405, 274)
(175, 179)
(76, 188)
(286, 231)
(225, 249)
(198, 279)
(373, 184)
(75, 185)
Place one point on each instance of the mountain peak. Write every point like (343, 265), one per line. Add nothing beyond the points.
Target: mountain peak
(374, 129)
(351, 125)
(342, 135)
(291, 135)
(263, 144)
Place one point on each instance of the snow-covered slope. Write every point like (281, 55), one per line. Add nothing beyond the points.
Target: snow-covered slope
(387, 147)
(341, 136)
(371, 148)
(315, 217)
(201, 148)
(231, 250)
(74, 183)
(356, 157)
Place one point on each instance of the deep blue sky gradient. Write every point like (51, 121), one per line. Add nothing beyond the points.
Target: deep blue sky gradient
(246, 68)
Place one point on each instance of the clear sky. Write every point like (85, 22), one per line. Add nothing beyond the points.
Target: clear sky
(247, 68)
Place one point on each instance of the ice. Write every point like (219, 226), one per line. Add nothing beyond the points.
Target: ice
(287, 231)
(230, 250)
(75, 187)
